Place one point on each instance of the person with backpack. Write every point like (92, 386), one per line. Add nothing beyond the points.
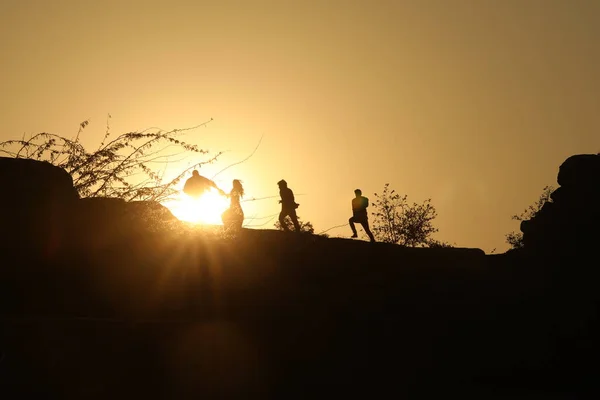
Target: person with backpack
(359, 215)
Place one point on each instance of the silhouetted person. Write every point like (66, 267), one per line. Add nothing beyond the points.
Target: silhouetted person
(233, 217)
(197, 185)
(288, 206)
(359, 214)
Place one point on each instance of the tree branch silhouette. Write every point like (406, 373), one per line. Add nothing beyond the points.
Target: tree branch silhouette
(108, 170)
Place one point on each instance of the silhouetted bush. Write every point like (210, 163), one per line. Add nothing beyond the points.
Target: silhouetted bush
(396, 221)
(515, 239)
(305, 227)
(109, 171)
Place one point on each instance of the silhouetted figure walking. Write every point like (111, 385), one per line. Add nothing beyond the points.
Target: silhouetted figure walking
(233, 217)
(288, 206)
(359, 214)
(197, 185)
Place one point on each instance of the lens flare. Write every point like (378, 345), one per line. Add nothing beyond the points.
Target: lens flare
(207, 209)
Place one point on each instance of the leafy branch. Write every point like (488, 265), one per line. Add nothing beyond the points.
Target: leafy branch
(109, 171)
(515, 239)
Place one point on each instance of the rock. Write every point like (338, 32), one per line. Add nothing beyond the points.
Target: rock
(44, 214)
(37, 199)
(150, 211)
(569, 223)
(581, 170)
(103, 221)
(559, 195)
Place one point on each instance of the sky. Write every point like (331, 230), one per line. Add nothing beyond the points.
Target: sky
(472, 103)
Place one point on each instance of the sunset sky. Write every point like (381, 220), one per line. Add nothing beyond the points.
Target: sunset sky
(472, 103)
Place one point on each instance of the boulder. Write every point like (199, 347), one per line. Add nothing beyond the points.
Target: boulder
(581, 171)
(44, 214)
(102, 221)
(37, 199)
(150, 212)
(570, 222)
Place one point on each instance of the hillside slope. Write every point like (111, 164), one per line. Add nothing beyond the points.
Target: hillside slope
(288, 316)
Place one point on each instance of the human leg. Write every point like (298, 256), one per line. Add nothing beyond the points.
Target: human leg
(351, 222)
(294, 219)
(365, 225)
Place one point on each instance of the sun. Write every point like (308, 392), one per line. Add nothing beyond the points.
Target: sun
(205, 210)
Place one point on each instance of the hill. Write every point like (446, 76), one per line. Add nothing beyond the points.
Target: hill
(104, 306)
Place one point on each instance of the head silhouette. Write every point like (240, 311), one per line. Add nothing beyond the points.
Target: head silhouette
(358, 192)
(195, 173)
(237, 186)
(282, 183)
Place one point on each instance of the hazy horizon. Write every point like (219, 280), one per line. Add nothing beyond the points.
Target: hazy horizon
(473, 104)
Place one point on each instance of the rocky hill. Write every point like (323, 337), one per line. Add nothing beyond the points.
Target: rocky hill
(105, 298)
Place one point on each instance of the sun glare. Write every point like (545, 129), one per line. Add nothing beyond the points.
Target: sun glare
(205, 210)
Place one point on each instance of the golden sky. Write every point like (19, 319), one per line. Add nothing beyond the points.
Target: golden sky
(472, 103)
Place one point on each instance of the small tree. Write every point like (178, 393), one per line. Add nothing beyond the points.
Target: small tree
(305, 227)
(395, 221)
(515, 239)
(109, 170)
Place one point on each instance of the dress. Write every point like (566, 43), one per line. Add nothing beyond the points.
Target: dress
(233, 217)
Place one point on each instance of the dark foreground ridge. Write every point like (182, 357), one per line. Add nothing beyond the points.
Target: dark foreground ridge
(95, 307)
